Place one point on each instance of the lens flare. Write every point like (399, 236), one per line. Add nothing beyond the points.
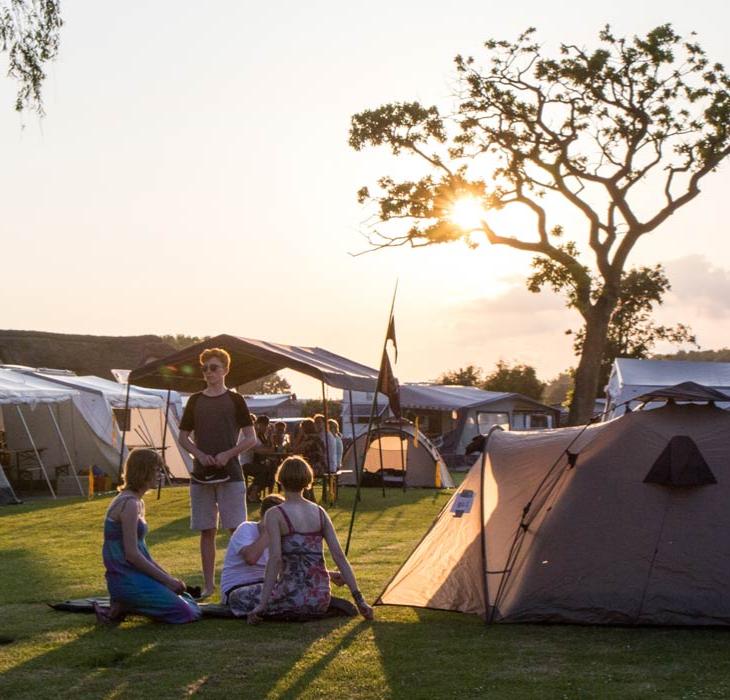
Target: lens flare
(467, 213)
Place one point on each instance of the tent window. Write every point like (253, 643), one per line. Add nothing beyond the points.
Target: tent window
(680, 464)
(487, 420)
(524, 420)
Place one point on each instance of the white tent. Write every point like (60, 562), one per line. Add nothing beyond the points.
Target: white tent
(30, 412)
(99, 398)
(631, 378)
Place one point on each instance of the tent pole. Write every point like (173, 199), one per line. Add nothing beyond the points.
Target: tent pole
(402, 454)
(359, 480)
(325, 440)
(163, 453)
(482, 526)
(354, 442)
(380, 452)
(65, 449)
(124, 435)
(35, 449)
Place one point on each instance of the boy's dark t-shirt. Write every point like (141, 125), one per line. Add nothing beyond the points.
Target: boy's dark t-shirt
(215, 422)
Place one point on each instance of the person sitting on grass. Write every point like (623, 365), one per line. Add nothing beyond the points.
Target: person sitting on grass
(137, 583)
(246, 555)
(296, 580)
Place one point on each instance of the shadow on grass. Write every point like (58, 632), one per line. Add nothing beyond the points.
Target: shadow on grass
(295, 688)
(173, 530)
(28, 577)
(94, 662)
(40, 504)
(372, 498)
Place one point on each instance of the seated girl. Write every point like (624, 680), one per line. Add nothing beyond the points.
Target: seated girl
(137, 583)
(296, 580)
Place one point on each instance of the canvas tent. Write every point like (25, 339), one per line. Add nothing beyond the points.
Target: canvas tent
(30, 415)
(398, 447)
(630, 378)
(622, 522)
(98, 400)
(88, 423)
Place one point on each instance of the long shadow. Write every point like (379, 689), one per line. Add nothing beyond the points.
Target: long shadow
(538, 661)
(23, 576)
(310, 674)
(101, 660)
(174, 530)
(40, 504)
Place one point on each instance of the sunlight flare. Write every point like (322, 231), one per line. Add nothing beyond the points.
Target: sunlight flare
(467, 213)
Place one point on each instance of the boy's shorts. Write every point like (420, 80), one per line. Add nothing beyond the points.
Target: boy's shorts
(207, 501)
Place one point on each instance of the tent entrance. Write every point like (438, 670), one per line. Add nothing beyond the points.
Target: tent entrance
(389, 453)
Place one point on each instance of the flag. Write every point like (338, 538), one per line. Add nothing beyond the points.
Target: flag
(390, 335)
(388, 384)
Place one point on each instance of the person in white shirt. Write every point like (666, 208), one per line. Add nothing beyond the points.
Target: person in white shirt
(246, 556)
(334, 430)
(330, 459)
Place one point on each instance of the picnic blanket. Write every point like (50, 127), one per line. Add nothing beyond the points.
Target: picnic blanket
(339, 607)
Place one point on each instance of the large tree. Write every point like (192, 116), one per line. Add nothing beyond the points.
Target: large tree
(623, 134)
(632, 332)
(29, 35)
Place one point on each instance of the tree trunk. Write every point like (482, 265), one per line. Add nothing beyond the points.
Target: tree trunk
(589, 368)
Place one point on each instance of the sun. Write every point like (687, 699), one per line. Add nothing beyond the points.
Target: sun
(467, 213)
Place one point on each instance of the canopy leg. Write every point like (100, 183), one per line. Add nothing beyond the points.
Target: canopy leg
(35, 449)
(65, 449)
(165, 472)
(124, 437)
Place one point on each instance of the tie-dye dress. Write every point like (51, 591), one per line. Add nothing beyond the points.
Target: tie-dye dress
(303, 586)
(137, 592)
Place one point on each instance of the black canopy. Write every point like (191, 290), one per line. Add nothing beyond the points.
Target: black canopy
(250, 360)
(686, 391)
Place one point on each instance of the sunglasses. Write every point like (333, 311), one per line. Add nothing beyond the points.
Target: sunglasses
(211, 368)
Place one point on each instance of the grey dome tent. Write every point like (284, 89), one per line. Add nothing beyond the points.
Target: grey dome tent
(424, 465)
(622, 522)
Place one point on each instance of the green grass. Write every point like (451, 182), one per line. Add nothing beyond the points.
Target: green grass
(51, 551)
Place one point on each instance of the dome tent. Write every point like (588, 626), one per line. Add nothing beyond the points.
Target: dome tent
(617, 523)
(397, 445)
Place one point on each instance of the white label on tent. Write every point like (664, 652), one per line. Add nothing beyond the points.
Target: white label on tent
(462, 503)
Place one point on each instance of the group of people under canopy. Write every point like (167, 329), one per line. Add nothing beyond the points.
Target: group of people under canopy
(274, 567)
(321, 448)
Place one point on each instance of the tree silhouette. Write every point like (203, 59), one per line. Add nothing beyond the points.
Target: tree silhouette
(623, 134)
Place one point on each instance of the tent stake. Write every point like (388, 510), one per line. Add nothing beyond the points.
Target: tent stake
(35, 449)
(65, 449)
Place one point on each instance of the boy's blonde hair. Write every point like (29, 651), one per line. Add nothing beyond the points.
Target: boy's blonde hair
(220, 353)
(139, 469)
(295, 474)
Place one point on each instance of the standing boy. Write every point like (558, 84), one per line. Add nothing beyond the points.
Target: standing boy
(221, 428)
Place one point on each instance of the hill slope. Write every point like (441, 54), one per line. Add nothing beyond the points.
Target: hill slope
(83, 354)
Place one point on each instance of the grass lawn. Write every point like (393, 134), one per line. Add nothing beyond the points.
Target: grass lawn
(51, 551)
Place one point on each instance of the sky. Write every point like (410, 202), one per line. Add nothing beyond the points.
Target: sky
(192, 175)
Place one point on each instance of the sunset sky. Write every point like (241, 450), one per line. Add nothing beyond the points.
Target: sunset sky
(192, 175)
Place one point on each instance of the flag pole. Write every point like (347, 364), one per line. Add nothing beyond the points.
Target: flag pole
(370, 423)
